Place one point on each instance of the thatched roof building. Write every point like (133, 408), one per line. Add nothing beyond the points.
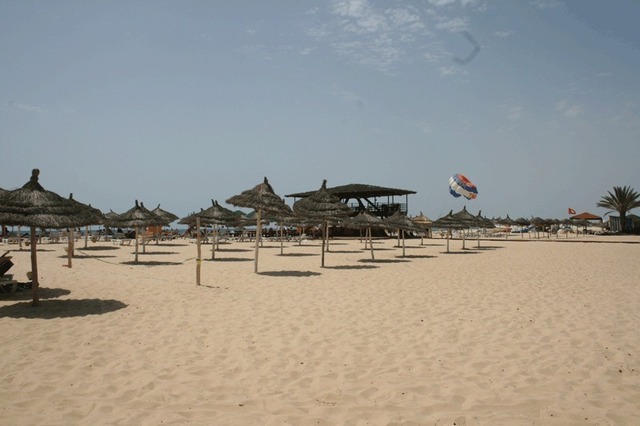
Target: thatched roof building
(365, 198)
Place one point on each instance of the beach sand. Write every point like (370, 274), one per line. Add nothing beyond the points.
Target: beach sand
(518, 332)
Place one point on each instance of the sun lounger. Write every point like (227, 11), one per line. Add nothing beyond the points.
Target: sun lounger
(7, 281)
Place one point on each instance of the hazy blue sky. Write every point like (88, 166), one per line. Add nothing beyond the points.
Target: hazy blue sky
(179, 102)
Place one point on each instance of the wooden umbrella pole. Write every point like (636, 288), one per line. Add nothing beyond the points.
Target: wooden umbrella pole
(214, 240)
(281, 238)
(371, 243)
(198, 257)
(34, 268)
(69, 248)
(136, 258)
(403, 251)
(19, 238)
(86, 236)
(258, 237)
(324, 234)
(326, 227)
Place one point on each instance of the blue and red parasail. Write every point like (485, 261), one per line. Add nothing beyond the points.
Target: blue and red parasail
(460, 185)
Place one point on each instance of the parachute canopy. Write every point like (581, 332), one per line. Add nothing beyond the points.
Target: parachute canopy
(461, 185)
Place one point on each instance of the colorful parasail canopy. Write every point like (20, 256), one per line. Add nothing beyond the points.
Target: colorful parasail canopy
(460, 185)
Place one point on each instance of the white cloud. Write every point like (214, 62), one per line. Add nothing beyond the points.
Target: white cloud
(503, 34)
(27, 108)
(425, 127)
(515, 112)
(441, 2)
(384, 35)
(451, 70)
(454, 25)
(546, 4)
(568, 110)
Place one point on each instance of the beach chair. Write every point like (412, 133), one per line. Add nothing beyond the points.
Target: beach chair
(7, 283)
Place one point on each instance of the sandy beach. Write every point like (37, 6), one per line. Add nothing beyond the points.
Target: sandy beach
(517, 332)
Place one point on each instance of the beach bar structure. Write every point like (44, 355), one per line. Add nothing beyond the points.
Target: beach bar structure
(377, 200)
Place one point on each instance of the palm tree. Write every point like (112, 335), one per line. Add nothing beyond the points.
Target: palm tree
(622, 200)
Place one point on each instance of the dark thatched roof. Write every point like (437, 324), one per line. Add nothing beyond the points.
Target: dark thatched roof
(217, 215)
(137, 216)
(357, 190)
(168, 216)
(261, 197)
(399, 220)
(364, 219)
(32, 205)
(321, 205)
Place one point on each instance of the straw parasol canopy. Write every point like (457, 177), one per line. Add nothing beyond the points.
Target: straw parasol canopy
(137, 217)
(262, 198)
(323, 207)
(34, 206)
(167, 216)
(365, 220)
(402, 223)
(424, 222)
(216, 215)
(448, 222)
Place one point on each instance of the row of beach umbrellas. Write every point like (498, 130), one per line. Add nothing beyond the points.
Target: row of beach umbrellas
(35, 207)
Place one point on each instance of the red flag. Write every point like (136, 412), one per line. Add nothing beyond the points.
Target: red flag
(571, 211)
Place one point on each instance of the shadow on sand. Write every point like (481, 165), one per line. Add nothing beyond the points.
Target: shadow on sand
(298, 254)
(353, 266)
(43, 293)
(97, 248)
(65, 308)
(397, 260)
(289, 273)
(149, 263)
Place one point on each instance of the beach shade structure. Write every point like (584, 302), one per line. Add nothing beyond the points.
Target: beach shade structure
(364, 220)
(585, 216)
(93, 216)
(423, 222)
(539, 223)
(282, 217)
(522, 223)
(508, 222)
(401, 222)
(584, 219)
(323, 207)
(447, 222)
(263, 199)
(484, 223)
(215, 216)
(137, 217)
(167, 216)
(34, 206)
(466, 220)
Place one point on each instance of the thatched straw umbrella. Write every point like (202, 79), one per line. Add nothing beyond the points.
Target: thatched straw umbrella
(484, 223)
(167, 216)
(424, 222)
(447, 222)
(137, 217)
(466, 221)
(366, 220)
(263, 199)
(92, 216)
(216, 215)
(522, 223)
(403, 224)
(324, 207)
(36, 207)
